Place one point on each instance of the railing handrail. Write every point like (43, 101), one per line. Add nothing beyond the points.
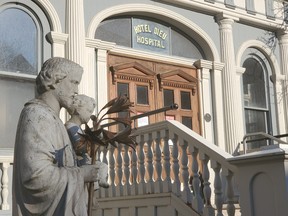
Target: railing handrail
(214, 152)
(262, 134)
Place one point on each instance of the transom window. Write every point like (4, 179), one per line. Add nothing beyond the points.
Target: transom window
(151, 35)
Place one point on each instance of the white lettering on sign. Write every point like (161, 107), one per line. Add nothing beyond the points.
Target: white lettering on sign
(146, 39)
(150, 42)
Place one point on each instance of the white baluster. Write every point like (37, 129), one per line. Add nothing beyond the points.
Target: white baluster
(166, 162)
(134, 172)
(119, 171)
(158, 166)
(141, 164)
(150, 169)
(5, 181)
(112, 172)
(208, 209)
(186, 194)
(197, 201)
(230, 194)
(218, 188)
(175, 165)
(126, 170)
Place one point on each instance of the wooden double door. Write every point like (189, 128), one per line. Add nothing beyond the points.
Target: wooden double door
(153, 85)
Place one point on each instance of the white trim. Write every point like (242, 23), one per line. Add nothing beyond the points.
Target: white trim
(19, 76)
(259, 20)
(52, 15)
(262, 47)
(206, 43)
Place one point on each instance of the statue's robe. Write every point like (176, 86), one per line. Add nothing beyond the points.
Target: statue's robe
(46, 179)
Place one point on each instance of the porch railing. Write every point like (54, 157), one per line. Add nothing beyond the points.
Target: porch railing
(6, 160)
(172, 158)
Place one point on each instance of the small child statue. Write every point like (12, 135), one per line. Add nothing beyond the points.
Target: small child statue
(80, 111)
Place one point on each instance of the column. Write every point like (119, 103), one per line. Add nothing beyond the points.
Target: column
(102, 77)
(282, 98)
(76, 36)
(228, 81)
(204, 68)
(219, 130)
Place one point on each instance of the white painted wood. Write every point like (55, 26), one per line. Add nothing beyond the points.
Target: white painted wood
(282, 97)
(218, 188)
(228, 81)
(6, 159)
(5, 180)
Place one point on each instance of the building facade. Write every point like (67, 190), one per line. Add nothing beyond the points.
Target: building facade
(224, 62)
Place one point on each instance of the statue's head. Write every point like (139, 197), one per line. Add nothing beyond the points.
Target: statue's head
(53, 71)
(82, 106)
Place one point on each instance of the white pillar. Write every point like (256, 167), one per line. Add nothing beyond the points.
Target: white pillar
(283, 47)
(218, 112)
(228, 81)
(239, 102)
(76, 37)
(90, 69)
(204, 68)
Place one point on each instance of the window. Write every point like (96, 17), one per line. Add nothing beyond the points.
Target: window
(18, 42)
(256, 96)
(250, 6)
(21, 44)
(168, 97)
(151, 35)
(142, 95)
(183, 99)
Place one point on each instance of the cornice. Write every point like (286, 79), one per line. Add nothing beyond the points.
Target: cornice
(218, 65)
(56, 37)
(203, 64)
(240, 15)
(99, 44)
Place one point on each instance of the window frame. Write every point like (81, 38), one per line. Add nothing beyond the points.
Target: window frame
(43, 52)
(269, 111)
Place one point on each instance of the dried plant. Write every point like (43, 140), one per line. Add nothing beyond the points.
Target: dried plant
(99, 136)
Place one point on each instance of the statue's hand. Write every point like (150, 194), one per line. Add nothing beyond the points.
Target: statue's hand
(90, 173)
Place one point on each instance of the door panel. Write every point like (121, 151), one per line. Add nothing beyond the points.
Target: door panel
(149, 81)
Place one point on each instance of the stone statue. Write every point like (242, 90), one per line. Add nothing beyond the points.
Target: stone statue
(80, 111)
(46, 178)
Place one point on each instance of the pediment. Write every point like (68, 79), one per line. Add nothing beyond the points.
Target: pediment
(132, 68)
(132, 71)
(177, 78)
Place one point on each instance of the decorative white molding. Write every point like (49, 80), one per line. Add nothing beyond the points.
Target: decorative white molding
(99, 44)
(264, 49)
(58, 41)
(203, 64)
(52, 15)
(259, 20)
(56, 37)
(240, 70)
(206, 42)
(218, 66)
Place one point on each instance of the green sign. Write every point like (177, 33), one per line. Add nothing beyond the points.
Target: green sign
(148, 35)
